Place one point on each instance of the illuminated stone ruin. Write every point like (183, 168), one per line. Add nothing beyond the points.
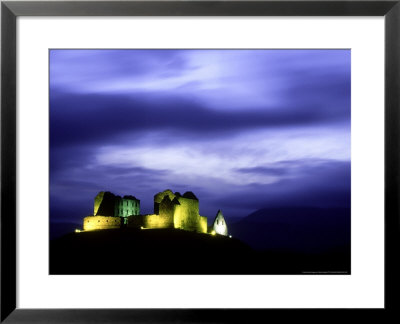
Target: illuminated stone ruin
(111, 211)
(171, 210)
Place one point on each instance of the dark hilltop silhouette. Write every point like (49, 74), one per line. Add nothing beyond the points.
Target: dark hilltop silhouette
(174, 240)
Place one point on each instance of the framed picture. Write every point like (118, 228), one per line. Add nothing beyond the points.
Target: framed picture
(240, 154)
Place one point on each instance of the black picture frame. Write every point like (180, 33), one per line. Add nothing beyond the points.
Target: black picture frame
(10, 10)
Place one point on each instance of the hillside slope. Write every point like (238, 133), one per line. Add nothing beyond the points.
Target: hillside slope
(171, 251)
(155, 251)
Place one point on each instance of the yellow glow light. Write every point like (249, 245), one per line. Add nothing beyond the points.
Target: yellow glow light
(78, 231)
(213, 233)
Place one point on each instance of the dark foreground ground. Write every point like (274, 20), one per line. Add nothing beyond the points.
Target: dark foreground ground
(169, 251)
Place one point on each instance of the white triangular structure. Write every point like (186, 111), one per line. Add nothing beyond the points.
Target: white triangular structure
(219, 226)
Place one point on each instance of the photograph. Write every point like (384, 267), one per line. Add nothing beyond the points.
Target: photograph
(200, 161)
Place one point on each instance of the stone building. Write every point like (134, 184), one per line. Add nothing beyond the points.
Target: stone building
(111, 211)
(219, 225)
(171, 210)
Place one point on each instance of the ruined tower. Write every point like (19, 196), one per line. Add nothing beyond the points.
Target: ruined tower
(111, 211)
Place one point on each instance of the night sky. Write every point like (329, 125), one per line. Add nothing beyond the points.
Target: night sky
(242, 129)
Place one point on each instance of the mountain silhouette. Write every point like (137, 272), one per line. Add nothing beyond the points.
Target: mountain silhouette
(302, 230)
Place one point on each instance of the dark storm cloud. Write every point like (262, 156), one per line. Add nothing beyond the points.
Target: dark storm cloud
(316, 167)
(307, 183)
(104, 118)
(274, 171)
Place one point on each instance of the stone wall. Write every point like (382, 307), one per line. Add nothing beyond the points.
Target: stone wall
(186, 215)
(183, 208)
(158, 198)
(202, 228)
(151, 221)
(91, 223)
(126, 207)
(104, 204)
(167, 207)
(108, 204)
